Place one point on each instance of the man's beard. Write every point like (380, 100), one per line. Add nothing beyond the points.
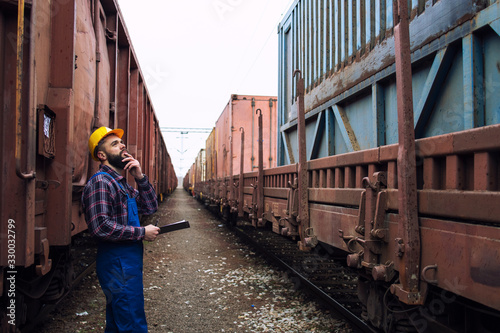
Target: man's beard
(116, 160)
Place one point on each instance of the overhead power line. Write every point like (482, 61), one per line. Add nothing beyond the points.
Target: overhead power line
(185, 133)
(186, 129)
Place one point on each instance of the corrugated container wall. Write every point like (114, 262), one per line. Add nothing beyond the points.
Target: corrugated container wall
(345, 51)
(241, 113)
(210, 156)
(200, 167)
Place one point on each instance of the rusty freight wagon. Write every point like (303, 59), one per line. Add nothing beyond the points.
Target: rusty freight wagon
(397, 161)
(236, 134)
(200, 168)
(196, 174)
(388, 148)
(210, 157)
(67, 67)
(189, 179)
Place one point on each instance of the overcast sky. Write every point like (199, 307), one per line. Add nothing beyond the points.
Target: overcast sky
(195, 54)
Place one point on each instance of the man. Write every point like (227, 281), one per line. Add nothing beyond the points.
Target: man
(111, 209)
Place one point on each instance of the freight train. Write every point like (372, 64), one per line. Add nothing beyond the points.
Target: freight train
(388, 149)
(245, 121)
(67, 67)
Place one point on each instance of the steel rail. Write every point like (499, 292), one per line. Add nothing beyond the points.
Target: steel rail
(351, 317)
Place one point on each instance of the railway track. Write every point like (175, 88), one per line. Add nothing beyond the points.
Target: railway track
(318, 271)
(82, 254)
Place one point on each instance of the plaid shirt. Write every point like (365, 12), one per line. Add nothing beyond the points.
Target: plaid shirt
(105, 205)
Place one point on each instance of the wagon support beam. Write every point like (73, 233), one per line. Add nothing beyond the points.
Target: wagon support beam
(19, 85)
(241, 184)
(258, 189)
(408, 241)
(307, 237)
(260, 176)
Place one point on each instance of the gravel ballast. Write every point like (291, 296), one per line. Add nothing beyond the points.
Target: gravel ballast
(202, 279)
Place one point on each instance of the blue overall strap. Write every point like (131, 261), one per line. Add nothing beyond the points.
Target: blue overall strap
(132, 211)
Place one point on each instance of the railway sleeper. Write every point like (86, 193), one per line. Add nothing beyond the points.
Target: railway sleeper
(371, 300)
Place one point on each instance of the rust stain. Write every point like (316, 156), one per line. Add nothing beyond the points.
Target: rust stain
(487, 277)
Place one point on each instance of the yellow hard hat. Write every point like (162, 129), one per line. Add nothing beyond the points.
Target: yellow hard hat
(100, 134)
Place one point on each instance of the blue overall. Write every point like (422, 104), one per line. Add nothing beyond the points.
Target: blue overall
(119, 269)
